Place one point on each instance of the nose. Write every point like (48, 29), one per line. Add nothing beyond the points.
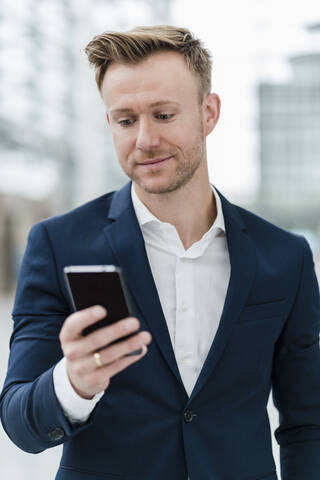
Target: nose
(147, 137)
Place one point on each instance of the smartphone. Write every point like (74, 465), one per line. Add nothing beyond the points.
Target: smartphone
(104, 285)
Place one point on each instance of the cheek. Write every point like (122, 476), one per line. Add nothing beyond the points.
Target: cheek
(123, 144)
(187, 133)
(177, 136)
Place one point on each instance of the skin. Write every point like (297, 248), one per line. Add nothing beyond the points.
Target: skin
(85, 377)
(177, 129)
(174, 129)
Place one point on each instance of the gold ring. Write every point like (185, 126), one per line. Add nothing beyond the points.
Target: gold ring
(97, 359)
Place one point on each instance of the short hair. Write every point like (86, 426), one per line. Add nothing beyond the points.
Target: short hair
(137, 44)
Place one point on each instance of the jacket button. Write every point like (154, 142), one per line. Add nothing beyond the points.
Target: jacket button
(189, 416)
(56, 434)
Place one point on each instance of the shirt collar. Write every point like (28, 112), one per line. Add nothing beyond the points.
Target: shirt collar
(144, 215)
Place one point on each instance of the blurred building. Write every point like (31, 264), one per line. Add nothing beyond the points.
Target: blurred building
(37, 64)
(36, 120)
(55, 148)
(290, 143)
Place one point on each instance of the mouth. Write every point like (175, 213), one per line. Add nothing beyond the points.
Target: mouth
(155, 161)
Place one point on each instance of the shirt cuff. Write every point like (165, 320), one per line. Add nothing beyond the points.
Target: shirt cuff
(76, 408)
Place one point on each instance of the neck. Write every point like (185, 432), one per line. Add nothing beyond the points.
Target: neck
(191, 209)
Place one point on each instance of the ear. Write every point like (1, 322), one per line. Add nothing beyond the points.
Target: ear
(211, 110)
(108, 118)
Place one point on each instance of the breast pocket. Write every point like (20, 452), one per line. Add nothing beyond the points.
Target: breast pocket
(261, 311)
(265, 476)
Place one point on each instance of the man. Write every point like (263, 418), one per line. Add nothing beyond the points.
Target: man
(227, 304)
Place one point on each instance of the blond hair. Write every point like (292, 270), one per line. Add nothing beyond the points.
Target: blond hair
(135, 45)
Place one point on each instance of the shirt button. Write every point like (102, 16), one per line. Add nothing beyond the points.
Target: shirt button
(187, 361)
(184, 308)
(188, 416)
(56, 434)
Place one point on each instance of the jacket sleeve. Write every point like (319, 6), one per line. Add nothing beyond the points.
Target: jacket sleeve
(296, 380)
(30, 411)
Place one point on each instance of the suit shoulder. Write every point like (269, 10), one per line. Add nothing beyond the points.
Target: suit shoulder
(267, 230)
(88, 213)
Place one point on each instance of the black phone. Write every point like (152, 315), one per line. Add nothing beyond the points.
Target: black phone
(104, 285)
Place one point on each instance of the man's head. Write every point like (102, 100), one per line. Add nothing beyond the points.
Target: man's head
(155, 83)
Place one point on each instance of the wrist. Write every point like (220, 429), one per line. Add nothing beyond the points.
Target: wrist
(76, 404)
(81, 393)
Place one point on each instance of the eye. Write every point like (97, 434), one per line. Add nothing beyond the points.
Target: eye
(165, 116)
(126, 122)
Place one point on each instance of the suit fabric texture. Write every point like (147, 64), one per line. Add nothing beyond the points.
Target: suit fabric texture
(146, 426)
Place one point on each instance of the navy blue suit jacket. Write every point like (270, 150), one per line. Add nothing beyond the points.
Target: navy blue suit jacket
(146, 427)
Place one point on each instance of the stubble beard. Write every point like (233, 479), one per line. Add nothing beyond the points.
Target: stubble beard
(184, 172)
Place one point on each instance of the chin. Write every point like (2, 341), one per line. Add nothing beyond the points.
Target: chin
(157, 187)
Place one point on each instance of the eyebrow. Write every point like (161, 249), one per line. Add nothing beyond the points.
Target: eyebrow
(152, 105)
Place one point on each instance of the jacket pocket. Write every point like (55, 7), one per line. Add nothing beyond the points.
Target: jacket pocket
(73, 473)
(263, 476)
(270, 309)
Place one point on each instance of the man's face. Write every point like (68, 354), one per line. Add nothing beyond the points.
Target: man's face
(158, 127)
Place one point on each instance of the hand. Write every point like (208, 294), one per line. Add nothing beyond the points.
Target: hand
(85, 376)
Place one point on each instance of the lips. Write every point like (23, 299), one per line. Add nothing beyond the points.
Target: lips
(154, 161)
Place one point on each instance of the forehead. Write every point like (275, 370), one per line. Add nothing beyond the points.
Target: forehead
(161, 75)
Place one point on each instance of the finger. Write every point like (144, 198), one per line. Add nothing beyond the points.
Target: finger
(124, 362)
(99, 378)
(83, 346)
(111, 353)
(113, 368)
(76, 322)
(106, 335)
(114, 352)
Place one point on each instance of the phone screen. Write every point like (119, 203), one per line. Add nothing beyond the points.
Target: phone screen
(100, 285)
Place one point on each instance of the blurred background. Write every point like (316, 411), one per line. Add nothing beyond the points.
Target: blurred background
(56, 151)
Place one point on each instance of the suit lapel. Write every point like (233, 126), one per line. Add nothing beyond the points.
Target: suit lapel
(242, 255)
(126, 241)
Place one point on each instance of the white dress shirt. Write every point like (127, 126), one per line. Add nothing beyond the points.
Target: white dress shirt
(192, 286)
